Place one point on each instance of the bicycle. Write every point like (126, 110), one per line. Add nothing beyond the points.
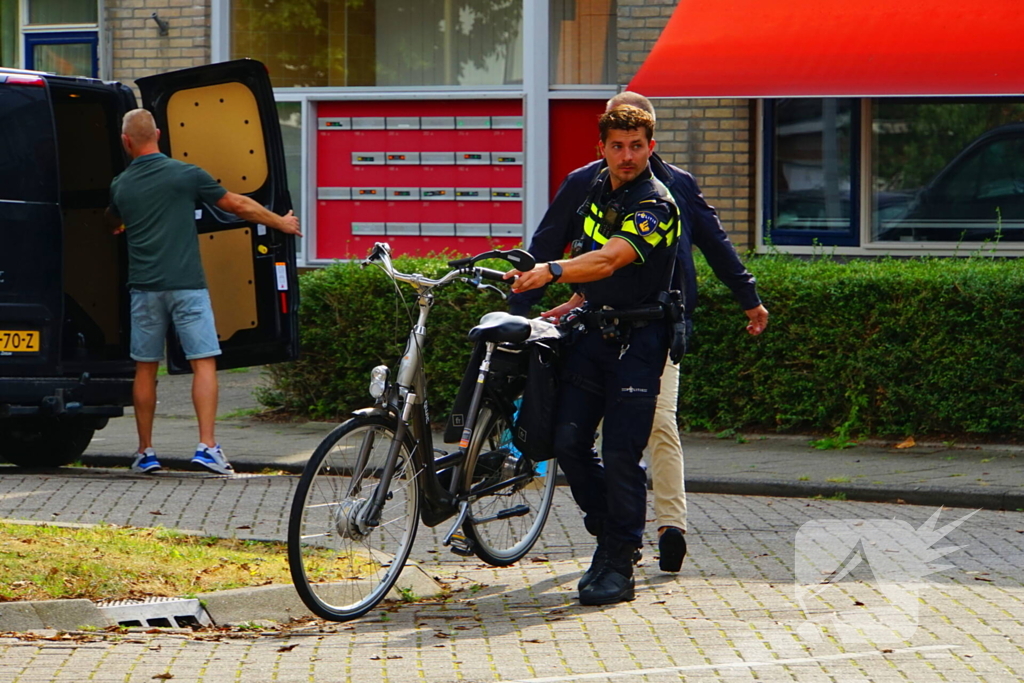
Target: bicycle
(371, 480)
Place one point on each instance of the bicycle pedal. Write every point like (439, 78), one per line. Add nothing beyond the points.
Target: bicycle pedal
(461, 545)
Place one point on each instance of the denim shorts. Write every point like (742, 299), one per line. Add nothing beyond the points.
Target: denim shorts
(188, 309)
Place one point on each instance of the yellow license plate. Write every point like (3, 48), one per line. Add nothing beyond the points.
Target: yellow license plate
(19, 341)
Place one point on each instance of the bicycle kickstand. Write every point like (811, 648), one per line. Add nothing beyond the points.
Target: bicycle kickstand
(460, 545)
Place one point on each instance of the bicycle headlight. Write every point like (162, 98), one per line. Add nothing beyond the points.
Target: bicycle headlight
(378, 380)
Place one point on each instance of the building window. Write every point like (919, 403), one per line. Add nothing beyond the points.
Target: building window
(53, 12)
(947, 171)
(583, 42)
(62, 36)
(315, 43)
(811, 171)
(9, 33)
(289, 115)
(936, 170)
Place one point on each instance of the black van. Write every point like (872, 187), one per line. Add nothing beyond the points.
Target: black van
(64, 305)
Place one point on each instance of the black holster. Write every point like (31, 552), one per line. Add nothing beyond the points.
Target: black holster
(672, 303)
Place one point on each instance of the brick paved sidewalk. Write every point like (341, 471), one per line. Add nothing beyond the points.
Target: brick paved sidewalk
(732, 612)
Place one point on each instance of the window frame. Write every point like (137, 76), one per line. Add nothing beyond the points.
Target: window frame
(829, 238)
(72, 37)
(864, 243)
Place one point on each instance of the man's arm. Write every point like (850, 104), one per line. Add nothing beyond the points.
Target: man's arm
(555, 231)
(250, 210)
(590, 267)
(710, 237)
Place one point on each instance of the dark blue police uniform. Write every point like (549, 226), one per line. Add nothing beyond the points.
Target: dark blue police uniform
(617, 379)
(699, 224)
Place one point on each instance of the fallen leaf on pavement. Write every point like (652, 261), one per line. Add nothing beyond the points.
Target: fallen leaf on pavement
(164, 677)
(908, 443)
(288, 648)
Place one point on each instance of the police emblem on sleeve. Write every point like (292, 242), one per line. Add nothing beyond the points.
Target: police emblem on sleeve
(646, 222)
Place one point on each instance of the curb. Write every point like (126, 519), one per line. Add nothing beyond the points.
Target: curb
(988, 498)
(278, 603)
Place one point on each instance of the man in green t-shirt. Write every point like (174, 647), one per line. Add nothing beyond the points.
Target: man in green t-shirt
(154, 199)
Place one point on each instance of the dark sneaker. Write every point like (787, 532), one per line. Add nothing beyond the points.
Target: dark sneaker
(596, 565)
(613, 583)
(672, 545)
(145, 462)
(212, 458)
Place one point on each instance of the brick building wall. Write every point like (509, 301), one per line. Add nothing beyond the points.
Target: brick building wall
(711, 138)
(138, 49)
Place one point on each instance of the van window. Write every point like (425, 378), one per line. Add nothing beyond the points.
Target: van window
(28, 159)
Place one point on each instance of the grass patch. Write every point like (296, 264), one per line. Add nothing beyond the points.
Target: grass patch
(43, 562)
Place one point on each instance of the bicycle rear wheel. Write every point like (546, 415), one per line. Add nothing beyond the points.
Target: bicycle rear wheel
(505, 524)
(341, 567)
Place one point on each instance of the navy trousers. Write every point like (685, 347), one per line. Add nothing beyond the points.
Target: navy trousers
(597, 383)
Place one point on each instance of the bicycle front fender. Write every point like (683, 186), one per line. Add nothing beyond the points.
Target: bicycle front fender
(376, 411)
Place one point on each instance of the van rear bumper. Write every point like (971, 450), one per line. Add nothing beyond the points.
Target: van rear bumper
(100, 397)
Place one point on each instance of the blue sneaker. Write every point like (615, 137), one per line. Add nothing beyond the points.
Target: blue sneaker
(212, 458)
(146, 462)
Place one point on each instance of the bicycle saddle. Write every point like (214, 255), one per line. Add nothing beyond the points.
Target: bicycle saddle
(501, 327)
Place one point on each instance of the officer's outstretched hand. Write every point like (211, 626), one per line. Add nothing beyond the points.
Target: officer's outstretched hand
(758, 319)
(524, 281)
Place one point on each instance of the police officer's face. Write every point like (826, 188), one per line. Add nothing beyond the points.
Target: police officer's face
(626, 152)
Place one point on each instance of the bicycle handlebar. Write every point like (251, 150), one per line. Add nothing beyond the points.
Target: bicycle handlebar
(381, 255)
(490, 274)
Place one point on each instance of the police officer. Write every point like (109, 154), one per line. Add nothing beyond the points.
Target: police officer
(700, 228)
(613, 367)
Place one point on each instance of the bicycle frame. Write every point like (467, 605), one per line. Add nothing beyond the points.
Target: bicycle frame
(406, 399)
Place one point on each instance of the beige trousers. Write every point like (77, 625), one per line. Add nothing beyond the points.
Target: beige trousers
(664, 453)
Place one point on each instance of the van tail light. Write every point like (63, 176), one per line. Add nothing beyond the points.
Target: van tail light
(22, 79)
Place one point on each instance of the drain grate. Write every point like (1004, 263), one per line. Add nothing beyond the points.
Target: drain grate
(156, 612)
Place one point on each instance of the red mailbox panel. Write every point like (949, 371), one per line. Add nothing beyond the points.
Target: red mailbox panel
(424, 175)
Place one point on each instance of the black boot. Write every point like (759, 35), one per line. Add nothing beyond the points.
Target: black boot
(596, 565)
(613, 582)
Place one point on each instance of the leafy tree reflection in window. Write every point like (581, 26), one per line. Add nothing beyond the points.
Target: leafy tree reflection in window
(316, 43)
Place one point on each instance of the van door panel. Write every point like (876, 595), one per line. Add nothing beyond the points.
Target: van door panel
(218, 128)
(222, 117)
(30, 224)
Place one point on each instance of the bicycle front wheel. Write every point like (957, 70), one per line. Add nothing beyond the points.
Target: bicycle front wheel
(505, 524)
(341, 564)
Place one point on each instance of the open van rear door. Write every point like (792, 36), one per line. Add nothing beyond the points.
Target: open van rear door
(222, 117)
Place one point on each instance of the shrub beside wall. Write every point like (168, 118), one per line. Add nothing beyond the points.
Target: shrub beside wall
(884, 347)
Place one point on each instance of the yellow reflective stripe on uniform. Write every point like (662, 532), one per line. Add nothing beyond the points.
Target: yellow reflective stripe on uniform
(592, 229)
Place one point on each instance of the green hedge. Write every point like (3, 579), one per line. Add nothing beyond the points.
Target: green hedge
(882, 347)
(353, 319)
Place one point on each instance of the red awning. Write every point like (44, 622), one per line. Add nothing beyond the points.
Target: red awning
(837, 48)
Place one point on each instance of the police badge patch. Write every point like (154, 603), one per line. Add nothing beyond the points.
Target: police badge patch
(646, 222)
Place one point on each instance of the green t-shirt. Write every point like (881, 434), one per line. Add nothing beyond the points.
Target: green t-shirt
(156, 199)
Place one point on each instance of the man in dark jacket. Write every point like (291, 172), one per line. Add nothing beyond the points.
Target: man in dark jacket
(701, 228)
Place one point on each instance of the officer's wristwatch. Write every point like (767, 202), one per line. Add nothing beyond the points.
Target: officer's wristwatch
(556, 272)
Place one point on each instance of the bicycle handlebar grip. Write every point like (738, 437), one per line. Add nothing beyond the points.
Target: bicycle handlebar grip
(491, 274)
(461, 262)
